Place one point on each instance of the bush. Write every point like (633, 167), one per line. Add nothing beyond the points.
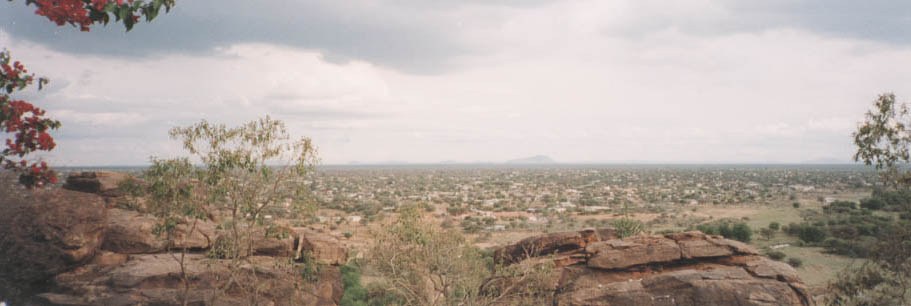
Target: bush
(812, 233)
(707, 228)
(628, 227)
(742, 232)
(774, 226)
(872, 203)
(776, 255)
(355, 293)
(795, 262)
(796, 205)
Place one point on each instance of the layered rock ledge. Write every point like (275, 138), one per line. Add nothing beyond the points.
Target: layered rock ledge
(594, 267)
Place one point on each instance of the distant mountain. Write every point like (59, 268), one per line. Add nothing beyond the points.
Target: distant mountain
(537, 159)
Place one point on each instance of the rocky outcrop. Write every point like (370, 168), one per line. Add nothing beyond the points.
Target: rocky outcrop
(155, 279)
(323, 248)
(104, 183)
(674, 269)
(552, 243)
(129, 232)
(44, 233)
(63, 247)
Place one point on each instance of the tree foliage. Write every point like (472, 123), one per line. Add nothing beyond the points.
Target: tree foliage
(423, 264)
(246, 172)
(85, 13)
(27, 124)
(883, 140)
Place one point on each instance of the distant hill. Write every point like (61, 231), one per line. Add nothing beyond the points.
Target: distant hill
(537, 159)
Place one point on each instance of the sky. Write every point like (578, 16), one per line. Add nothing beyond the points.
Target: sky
(702, 81)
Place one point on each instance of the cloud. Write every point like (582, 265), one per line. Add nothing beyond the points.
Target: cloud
(414, 39)
(432, 37)
(877, 20)
(580, 81)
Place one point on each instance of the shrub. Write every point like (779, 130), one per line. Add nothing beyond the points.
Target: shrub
(628, 227)
(872, 203)
(774, 226)
(355, 293)
(707, 228)
(742, 232)
(812, 233)
(795, 262)
(776, 255)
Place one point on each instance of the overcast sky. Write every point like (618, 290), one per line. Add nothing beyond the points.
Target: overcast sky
(718, 81)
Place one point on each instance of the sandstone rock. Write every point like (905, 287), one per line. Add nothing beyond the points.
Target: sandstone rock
(552, 243)
(105, 258)
(274, 247)
(130, 232)
(764, 267)
(154, 279)
(324, 248)
(719, 286)
(44, 233)
(619, 254)
(99, 182)
(674, 269)
(699, 245)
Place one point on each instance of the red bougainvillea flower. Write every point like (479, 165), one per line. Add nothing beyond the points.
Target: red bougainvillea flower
(84, 13)
(26, 124)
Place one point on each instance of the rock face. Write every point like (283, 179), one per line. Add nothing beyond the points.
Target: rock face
(324, 248)
(129, 232)
(63, 247)
(44, 233)
(98, 182)
(675, 269)
(154, 279)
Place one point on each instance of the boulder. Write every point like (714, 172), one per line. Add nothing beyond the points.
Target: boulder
(44, 233)
(552, 243)
(129, 232)
(99, 182)
(275, 247)
(324, 248)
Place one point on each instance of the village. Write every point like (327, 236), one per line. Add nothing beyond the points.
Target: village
(501, 198)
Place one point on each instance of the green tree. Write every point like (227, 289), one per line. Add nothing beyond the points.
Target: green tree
(174, 200)
(424, 264)
(742, 232)
(883, 141)
(245, 172)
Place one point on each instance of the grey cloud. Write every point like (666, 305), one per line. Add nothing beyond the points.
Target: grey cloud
(878, 20)
(413, 40)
